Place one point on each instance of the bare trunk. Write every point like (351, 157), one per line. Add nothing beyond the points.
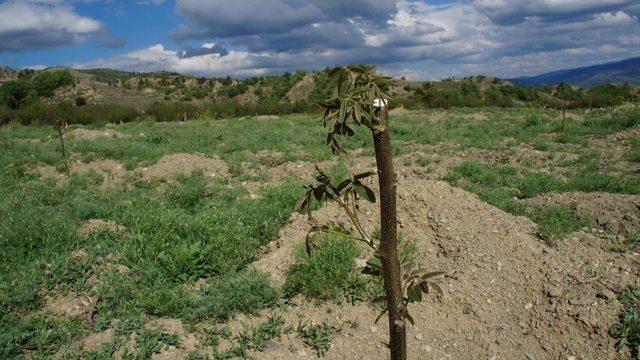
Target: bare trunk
(388, 238)
(564, 113)
(64, 152)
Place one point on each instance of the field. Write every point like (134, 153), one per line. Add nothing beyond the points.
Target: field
(180, 239)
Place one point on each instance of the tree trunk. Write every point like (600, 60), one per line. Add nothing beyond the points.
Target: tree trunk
(62, 149)
(564, 113)
(388, 237)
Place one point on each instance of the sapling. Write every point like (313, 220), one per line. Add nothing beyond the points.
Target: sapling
(62, 125)
(360, 100)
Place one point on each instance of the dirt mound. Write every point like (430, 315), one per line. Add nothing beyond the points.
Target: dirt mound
(169, 165)
(618, 213)
(506, 294)
(86, 134)
(267, 117)
(113, 172)
(73, 305)
(94, 225)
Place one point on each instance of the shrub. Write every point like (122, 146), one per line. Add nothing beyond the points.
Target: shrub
(46, 82)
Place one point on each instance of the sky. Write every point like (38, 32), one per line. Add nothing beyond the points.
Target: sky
(417, 39)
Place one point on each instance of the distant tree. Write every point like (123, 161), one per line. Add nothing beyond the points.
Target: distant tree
(15, 93)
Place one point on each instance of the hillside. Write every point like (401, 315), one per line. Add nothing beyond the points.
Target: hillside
(103, 95)
(619, 72)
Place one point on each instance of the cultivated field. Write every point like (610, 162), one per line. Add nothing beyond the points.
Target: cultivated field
(180, 240)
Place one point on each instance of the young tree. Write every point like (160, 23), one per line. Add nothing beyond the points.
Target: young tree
(360, 100)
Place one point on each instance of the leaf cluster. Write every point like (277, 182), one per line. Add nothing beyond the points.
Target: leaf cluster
(358, 87)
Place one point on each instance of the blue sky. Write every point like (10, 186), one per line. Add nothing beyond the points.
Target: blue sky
(414, 38)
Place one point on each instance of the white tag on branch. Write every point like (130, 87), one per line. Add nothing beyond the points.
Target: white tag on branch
(380, 103)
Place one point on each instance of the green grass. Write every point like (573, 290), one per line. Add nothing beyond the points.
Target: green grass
(318, 336)
(634, 151)
(205, 231)
(628, 330)
(329, 272)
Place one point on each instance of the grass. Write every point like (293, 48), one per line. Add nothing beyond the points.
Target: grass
(628, 330)
(318, 336)
(188, 243)
(329, 272)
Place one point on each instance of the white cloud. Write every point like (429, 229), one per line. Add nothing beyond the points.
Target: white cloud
(492, 37)
(26, 25)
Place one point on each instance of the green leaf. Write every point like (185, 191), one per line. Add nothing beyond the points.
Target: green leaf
(375, 263)
(415, 293)
(344, 184)
(364, 191)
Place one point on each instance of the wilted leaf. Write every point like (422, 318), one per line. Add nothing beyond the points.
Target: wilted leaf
(436, 287)
(409, 317)
(364, 175)
(432, 274)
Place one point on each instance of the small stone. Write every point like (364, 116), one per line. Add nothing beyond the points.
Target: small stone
(529, 306)
(571, 358)
(579, 302)
(419, 337)
(606, 294)
(530, 356)
(549, 251)
(554, 292)
(427, 348)
(374, 329)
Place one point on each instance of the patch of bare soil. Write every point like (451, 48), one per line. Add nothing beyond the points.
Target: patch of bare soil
(95, 341)
(86, 134)
(188, 341)
(267, 117)
(113, 173)
(506, 294)
(73, 305)
(302, 88)
(618, 213)
(180, 163)
(94, 225)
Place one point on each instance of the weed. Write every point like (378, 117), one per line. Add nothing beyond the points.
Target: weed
(317, 336)
(628, 330)
(328, 273)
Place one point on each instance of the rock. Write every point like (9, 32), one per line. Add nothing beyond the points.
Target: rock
(555, 292)
(530, 356)
(579, 302)
(419, 337)
(606, 294)
(549, 251)
(529, 306)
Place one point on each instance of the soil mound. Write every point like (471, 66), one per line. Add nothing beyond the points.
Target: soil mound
(618, 213)
(507, 295)
(86, 134)
(172, 164)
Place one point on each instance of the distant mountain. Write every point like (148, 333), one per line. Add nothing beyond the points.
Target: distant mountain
(624, 71)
